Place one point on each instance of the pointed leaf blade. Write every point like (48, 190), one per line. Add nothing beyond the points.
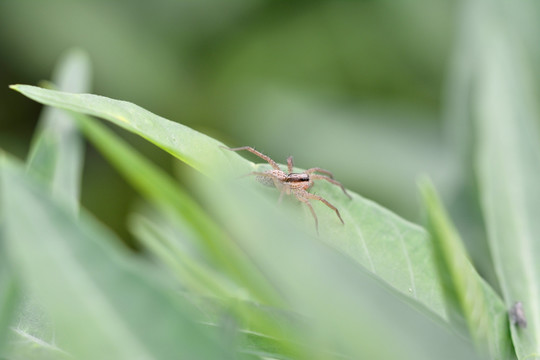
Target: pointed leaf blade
(509, 173)
(57, 150)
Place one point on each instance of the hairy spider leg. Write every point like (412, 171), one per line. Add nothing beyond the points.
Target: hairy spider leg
(290, 164)
(316, 169)
(300, 197)
(335, 182)
(259, 154)
(323, 200)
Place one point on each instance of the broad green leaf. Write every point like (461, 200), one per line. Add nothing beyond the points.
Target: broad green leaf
(509, 170)
(395, 250)
(348, 313)
(467, 293)
(104, 303)
(57, 151)
(190, 146)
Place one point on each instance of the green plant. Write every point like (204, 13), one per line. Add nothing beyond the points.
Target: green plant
(238, 277)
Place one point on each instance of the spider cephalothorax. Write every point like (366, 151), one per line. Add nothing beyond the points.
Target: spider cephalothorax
(295, 184)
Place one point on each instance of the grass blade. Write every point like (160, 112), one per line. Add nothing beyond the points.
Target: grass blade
(509, 173)
(468, 295)
(57, 150)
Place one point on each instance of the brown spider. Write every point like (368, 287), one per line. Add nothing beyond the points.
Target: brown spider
(295, 183)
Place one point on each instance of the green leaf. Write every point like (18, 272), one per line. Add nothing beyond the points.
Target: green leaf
(190, 146)
(468, 295)
(509, 170)
(57, 151)
(345, 311)
(104, 304)
(395, 250)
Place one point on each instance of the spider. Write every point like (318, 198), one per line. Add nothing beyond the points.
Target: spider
(296, 184)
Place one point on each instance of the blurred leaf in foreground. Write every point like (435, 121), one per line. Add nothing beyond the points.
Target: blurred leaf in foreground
(346, 310)
(75, 270)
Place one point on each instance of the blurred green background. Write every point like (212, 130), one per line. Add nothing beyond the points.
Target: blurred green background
(356, 87)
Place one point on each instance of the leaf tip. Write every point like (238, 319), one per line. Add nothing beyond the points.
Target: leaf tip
(425, 186)
(20, 87)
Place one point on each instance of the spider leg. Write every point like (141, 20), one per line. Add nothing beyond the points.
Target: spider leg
(290, 164)
(335, 182)
(306, 201)
(316, 169)
(259, 154)
(323, 200)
